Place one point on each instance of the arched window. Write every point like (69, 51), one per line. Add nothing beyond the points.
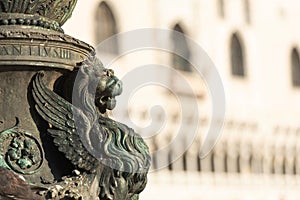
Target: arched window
(247, 11)
(212, 162)
(106, 27)
(284, 166)
(295, 166)
(273, 169)
(221, 9)
(184, 160)
(251, 163)
(154, 156)
(238, 163)
(237, 56)
(295, 61)
(198, 163)
(180, 46)
(170, 166)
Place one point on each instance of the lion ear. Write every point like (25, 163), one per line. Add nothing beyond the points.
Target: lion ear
(110, 72)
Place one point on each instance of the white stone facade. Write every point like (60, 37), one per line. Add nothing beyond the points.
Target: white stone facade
(257, 154)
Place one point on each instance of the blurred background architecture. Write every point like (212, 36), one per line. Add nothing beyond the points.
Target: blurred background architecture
(255, 47)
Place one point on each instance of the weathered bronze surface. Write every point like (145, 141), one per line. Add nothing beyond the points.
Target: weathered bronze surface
(65, 146)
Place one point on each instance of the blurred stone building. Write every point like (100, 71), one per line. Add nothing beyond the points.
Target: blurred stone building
(255, 47)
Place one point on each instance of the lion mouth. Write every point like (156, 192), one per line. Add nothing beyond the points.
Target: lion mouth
(109, 102)
(105, 99)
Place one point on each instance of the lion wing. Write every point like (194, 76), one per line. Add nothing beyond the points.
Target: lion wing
(59, 113)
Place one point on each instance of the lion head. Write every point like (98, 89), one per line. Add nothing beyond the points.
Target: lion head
(107, 89)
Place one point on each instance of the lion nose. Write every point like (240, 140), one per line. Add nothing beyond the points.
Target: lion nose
(118, 88)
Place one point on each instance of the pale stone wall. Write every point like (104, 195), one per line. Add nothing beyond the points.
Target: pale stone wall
(257, 155)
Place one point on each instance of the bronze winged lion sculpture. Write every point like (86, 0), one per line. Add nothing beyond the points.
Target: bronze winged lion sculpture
(112, 160)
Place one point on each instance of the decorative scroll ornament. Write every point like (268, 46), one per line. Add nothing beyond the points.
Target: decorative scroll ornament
(20, 151)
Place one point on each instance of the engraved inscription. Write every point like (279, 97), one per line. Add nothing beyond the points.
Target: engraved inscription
(35, 50)
(4, 51)
(16, 49)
